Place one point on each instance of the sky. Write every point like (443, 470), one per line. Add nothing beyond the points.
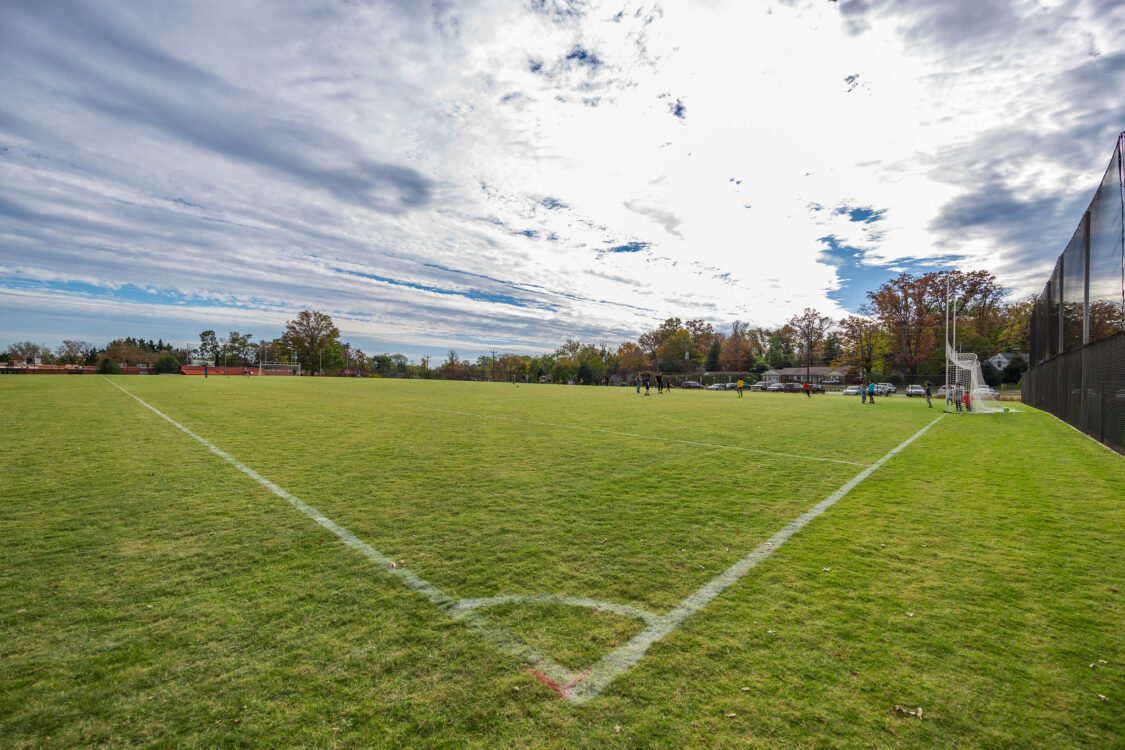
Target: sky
(483, 175)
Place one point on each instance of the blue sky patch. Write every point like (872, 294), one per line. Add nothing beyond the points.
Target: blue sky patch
(862, 214)
(473, 294)
(858, 276)
(629, 247)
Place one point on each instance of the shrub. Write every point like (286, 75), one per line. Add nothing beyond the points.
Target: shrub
(109, 367)
(168, 364)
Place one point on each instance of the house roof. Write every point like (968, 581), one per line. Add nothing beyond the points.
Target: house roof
(811, 371)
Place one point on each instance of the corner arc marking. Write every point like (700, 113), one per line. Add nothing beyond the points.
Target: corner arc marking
(624, 610)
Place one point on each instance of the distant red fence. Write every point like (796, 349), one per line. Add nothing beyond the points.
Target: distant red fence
(198, 370)
(89, 370)
(48, 370)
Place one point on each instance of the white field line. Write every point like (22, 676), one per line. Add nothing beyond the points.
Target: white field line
(616, 662)
(638, 435)
(462, 610)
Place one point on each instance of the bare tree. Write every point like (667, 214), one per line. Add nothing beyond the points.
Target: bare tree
(74, 352)
(26, 350)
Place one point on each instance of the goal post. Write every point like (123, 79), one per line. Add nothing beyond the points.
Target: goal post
(966, 391)
(965, 388)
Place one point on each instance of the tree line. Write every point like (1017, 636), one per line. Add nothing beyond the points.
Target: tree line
(898, 333)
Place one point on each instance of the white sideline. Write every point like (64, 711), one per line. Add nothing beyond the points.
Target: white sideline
(638, 435)
(578, 687)
(616, 662)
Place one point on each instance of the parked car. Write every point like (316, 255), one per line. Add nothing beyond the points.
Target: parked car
(831, 381)
(691, 384)
(761, 385)
(776, 387)
(889, 387)
(883, 389)
(915, 390)
(852, 390)
(717, 387)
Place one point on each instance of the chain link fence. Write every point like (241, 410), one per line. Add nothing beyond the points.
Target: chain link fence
(1078, 323)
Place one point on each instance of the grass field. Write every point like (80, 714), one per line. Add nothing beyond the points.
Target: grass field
(154, 594)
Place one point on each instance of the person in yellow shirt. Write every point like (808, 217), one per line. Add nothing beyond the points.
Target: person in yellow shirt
(739, 387)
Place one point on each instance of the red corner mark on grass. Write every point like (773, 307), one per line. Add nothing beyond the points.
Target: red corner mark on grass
(563, 691)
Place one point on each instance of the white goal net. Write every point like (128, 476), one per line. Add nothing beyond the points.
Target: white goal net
(278, 368)
(965, 389)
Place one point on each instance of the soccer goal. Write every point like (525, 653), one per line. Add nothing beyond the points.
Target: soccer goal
(278, 368)
(965, 389)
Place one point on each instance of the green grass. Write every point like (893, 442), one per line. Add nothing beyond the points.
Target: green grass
(154, 595)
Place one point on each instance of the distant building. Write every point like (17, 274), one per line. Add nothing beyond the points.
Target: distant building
(838, 375)
(1001, 360)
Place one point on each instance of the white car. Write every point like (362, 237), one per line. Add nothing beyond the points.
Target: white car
(852, 390)
(915, 390)
(887, 387)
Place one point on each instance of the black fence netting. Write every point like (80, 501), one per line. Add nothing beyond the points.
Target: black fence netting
(1078, 321)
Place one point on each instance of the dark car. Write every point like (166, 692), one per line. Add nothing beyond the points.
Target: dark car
(691, 384)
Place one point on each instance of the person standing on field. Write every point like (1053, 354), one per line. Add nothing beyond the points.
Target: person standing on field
(871, 392)
(660, 382)
(647, 383)
(739, 387)
(638, 379)
(204, 371)
(807, 389)
(928, 395)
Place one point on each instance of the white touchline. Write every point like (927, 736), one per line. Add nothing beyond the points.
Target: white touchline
(638, 435)
(616, 662)
(578, 687)
(459, 609)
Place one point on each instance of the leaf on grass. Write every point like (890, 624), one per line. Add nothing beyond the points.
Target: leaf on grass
(907, 712)
(1102, 698)
(394, 564)
(826, 570)
(909, 614)
(617, 728)
(732, 713)
(745, 689)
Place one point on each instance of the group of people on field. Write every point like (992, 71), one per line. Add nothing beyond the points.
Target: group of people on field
(661, 386)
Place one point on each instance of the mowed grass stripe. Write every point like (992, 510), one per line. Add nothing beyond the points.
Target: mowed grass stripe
(642, 437)
(494, 510)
